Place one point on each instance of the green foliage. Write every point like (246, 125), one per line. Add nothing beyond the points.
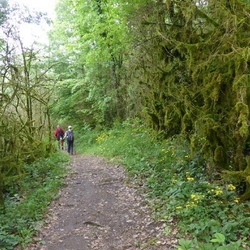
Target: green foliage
(177, 182)
(24, 209)
(12, 162)
(218, 243)
(26, 89)
(88, 47)
(181, 67)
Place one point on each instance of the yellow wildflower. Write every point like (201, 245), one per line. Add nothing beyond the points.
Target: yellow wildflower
(174, 181)
(218, 191)
(231, 187)
(179, 207)
(190, 204)
(193, 196)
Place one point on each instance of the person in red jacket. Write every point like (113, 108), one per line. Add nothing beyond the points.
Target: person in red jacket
(59, 134)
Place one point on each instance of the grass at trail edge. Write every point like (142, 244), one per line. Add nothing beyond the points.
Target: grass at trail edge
(26, 204)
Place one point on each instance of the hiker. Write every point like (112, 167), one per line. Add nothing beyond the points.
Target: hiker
(69, 135)
(59, 134)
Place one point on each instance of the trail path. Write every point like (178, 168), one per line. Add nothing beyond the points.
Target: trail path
(98, 209)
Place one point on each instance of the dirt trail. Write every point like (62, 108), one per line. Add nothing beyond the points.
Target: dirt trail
(97, 210)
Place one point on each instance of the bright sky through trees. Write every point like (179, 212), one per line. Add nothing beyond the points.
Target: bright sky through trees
(31, 33)
(40, 5)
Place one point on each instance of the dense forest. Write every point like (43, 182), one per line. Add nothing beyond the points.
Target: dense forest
(179, 66)
(182, 67)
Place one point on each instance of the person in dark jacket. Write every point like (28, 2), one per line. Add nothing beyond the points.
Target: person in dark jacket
(69, 135)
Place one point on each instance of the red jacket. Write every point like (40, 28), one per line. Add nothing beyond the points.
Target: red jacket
(57, 133)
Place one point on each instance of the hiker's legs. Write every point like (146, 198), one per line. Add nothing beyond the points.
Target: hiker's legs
(68, 144)
(62, 142)
(70, 147)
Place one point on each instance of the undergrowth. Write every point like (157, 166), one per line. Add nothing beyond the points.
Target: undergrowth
(183, 189)
(25, 204)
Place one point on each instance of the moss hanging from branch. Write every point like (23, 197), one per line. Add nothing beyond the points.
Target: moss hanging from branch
(202, 87)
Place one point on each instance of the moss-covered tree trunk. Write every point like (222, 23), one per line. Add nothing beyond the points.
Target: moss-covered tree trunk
(23, 94)
(195, 75)
(1, 190)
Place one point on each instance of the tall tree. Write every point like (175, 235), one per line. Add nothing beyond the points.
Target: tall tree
(25, 92)
(98, 33)
(195, 77)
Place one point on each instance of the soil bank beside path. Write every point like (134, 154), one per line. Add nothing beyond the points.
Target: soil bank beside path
(97, 209)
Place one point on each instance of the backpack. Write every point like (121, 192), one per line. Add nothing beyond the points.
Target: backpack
(60, 132)
(70, 135)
